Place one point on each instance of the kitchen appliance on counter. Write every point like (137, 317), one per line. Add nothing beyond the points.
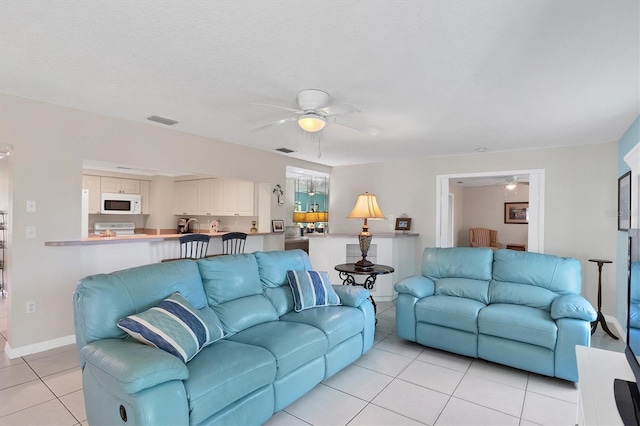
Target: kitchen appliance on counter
(120, 228)
(120, 203)
(188, 226)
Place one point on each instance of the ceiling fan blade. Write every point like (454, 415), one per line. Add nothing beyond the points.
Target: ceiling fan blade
(352, 124)
(274, 123)
(339, 109)
(297, 111)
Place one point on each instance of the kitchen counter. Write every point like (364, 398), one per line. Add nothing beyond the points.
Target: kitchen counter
(94, 239)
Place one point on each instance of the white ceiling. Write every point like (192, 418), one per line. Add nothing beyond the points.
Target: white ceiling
(437, 77)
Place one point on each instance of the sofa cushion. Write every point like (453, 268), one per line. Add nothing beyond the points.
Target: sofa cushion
(103, 299)
(450, 311)
(559, 275)
(311, 289)
(519, 323)
(463, 287)
(273, 266)
(223, 373)
(521, 294)
(245, 312)
(229, 277)
(460, 262)
(293, 344)
(174, 326)
(338, 323)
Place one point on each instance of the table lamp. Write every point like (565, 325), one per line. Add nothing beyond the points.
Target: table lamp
(366, 208)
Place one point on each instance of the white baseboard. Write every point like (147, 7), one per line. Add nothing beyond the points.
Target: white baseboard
(38, 347)
(613, 322)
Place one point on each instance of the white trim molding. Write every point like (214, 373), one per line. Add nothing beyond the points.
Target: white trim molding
(38, 347)
(633, 161)
(535, 241)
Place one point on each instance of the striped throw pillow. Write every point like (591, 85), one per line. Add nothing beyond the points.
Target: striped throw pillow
(175, 326)
(311, 289)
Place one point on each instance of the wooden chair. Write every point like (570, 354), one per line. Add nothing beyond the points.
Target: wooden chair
(233, 242)
(194, 246)
(484, 237)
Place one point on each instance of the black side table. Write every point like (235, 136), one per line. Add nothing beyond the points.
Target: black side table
(600, 319)
(348, 270)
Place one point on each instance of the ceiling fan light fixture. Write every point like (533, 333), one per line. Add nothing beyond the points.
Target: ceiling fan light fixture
(512, 183)
(311, 123)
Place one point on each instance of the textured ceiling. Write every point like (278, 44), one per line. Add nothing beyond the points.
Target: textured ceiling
(437, 77)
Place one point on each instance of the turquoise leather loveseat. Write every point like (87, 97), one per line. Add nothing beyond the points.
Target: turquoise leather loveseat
(515, 308)
(270, 355)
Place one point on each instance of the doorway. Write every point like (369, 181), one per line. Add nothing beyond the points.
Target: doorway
(535, 241)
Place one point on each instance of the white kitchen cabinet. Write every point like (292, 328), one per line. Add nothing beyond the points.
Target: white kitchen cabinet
(92, 183)
(210, 197)
(238, 198)
(145, 193)
(119, 185)
(185, 197)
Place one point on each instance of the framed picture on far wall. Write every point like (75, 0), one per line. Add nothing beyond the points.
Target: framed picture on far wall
(277, 226)
(624, 202)
(516, 213)
(403, 224)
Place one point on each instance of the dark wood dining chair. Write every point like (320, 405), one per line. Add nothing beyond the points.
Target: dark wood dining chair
(233, 242)
(194, 246)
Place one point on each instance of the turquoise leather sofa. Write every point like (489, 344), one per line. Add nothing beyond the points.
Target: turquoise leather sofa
(515, 308)
(270, 356)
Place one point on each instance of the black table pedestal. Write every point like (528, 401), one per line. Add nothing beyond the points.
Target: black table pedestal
(600, 319)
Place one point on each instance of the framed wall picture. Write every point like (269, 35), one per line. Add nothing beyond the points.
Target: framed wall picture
(277, 226)
(403, 223)
(516, 213)
(624, 202)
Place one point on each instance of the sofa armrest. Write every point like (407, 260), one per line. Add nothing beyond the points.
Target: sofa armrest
(417, 286)
(572, 306)
(350, 295)
(133, 366)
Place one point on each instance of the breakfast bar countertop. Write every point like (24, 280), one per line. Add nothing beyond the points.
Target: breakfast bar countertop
(95, 239)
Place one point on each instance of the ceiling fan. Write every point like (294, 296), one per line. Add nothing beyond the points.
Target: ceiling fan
(315, 112)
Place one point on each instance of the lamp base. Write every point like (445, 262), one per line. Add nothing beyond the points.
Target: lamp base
(364, 265)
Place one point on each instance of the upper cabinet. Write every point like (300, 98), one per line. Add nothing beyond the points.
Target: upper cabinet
(185, 197)
(238, 198)
(210, 197)
(92, 183)
(119, 185)
(214, 197)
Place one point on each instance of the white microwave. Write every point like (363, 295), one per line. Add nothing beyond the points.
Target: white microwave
(120, 203)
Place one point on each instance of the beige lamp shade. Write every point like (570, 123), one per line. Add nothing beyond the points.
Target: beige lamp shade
(366, 208)
(298, 217)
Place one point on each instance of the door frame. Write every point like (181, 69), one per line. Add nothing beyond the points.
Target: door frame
(535, 241)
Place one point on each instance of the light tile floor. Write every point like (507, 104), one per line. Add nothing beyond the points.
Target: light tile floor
(395, 383)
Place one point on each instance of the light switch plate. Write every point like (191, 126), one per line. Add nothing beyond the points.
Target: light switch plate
(31, 206)
(31, 232)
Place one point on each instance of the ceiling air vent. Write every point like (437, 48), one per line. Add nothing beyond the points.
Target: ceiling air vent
(285, 150)
(162, 120)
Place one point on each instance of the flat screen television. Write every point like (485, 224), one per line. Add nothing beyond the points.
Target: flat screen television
(626, 393)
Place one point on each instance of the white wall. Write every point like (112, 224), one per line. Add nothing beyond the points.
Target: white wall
(580, 192)
(50, 143)
(484, 208)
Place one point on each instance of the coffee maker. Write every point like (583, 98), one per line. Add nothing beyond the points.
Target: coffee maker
(182, 226)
